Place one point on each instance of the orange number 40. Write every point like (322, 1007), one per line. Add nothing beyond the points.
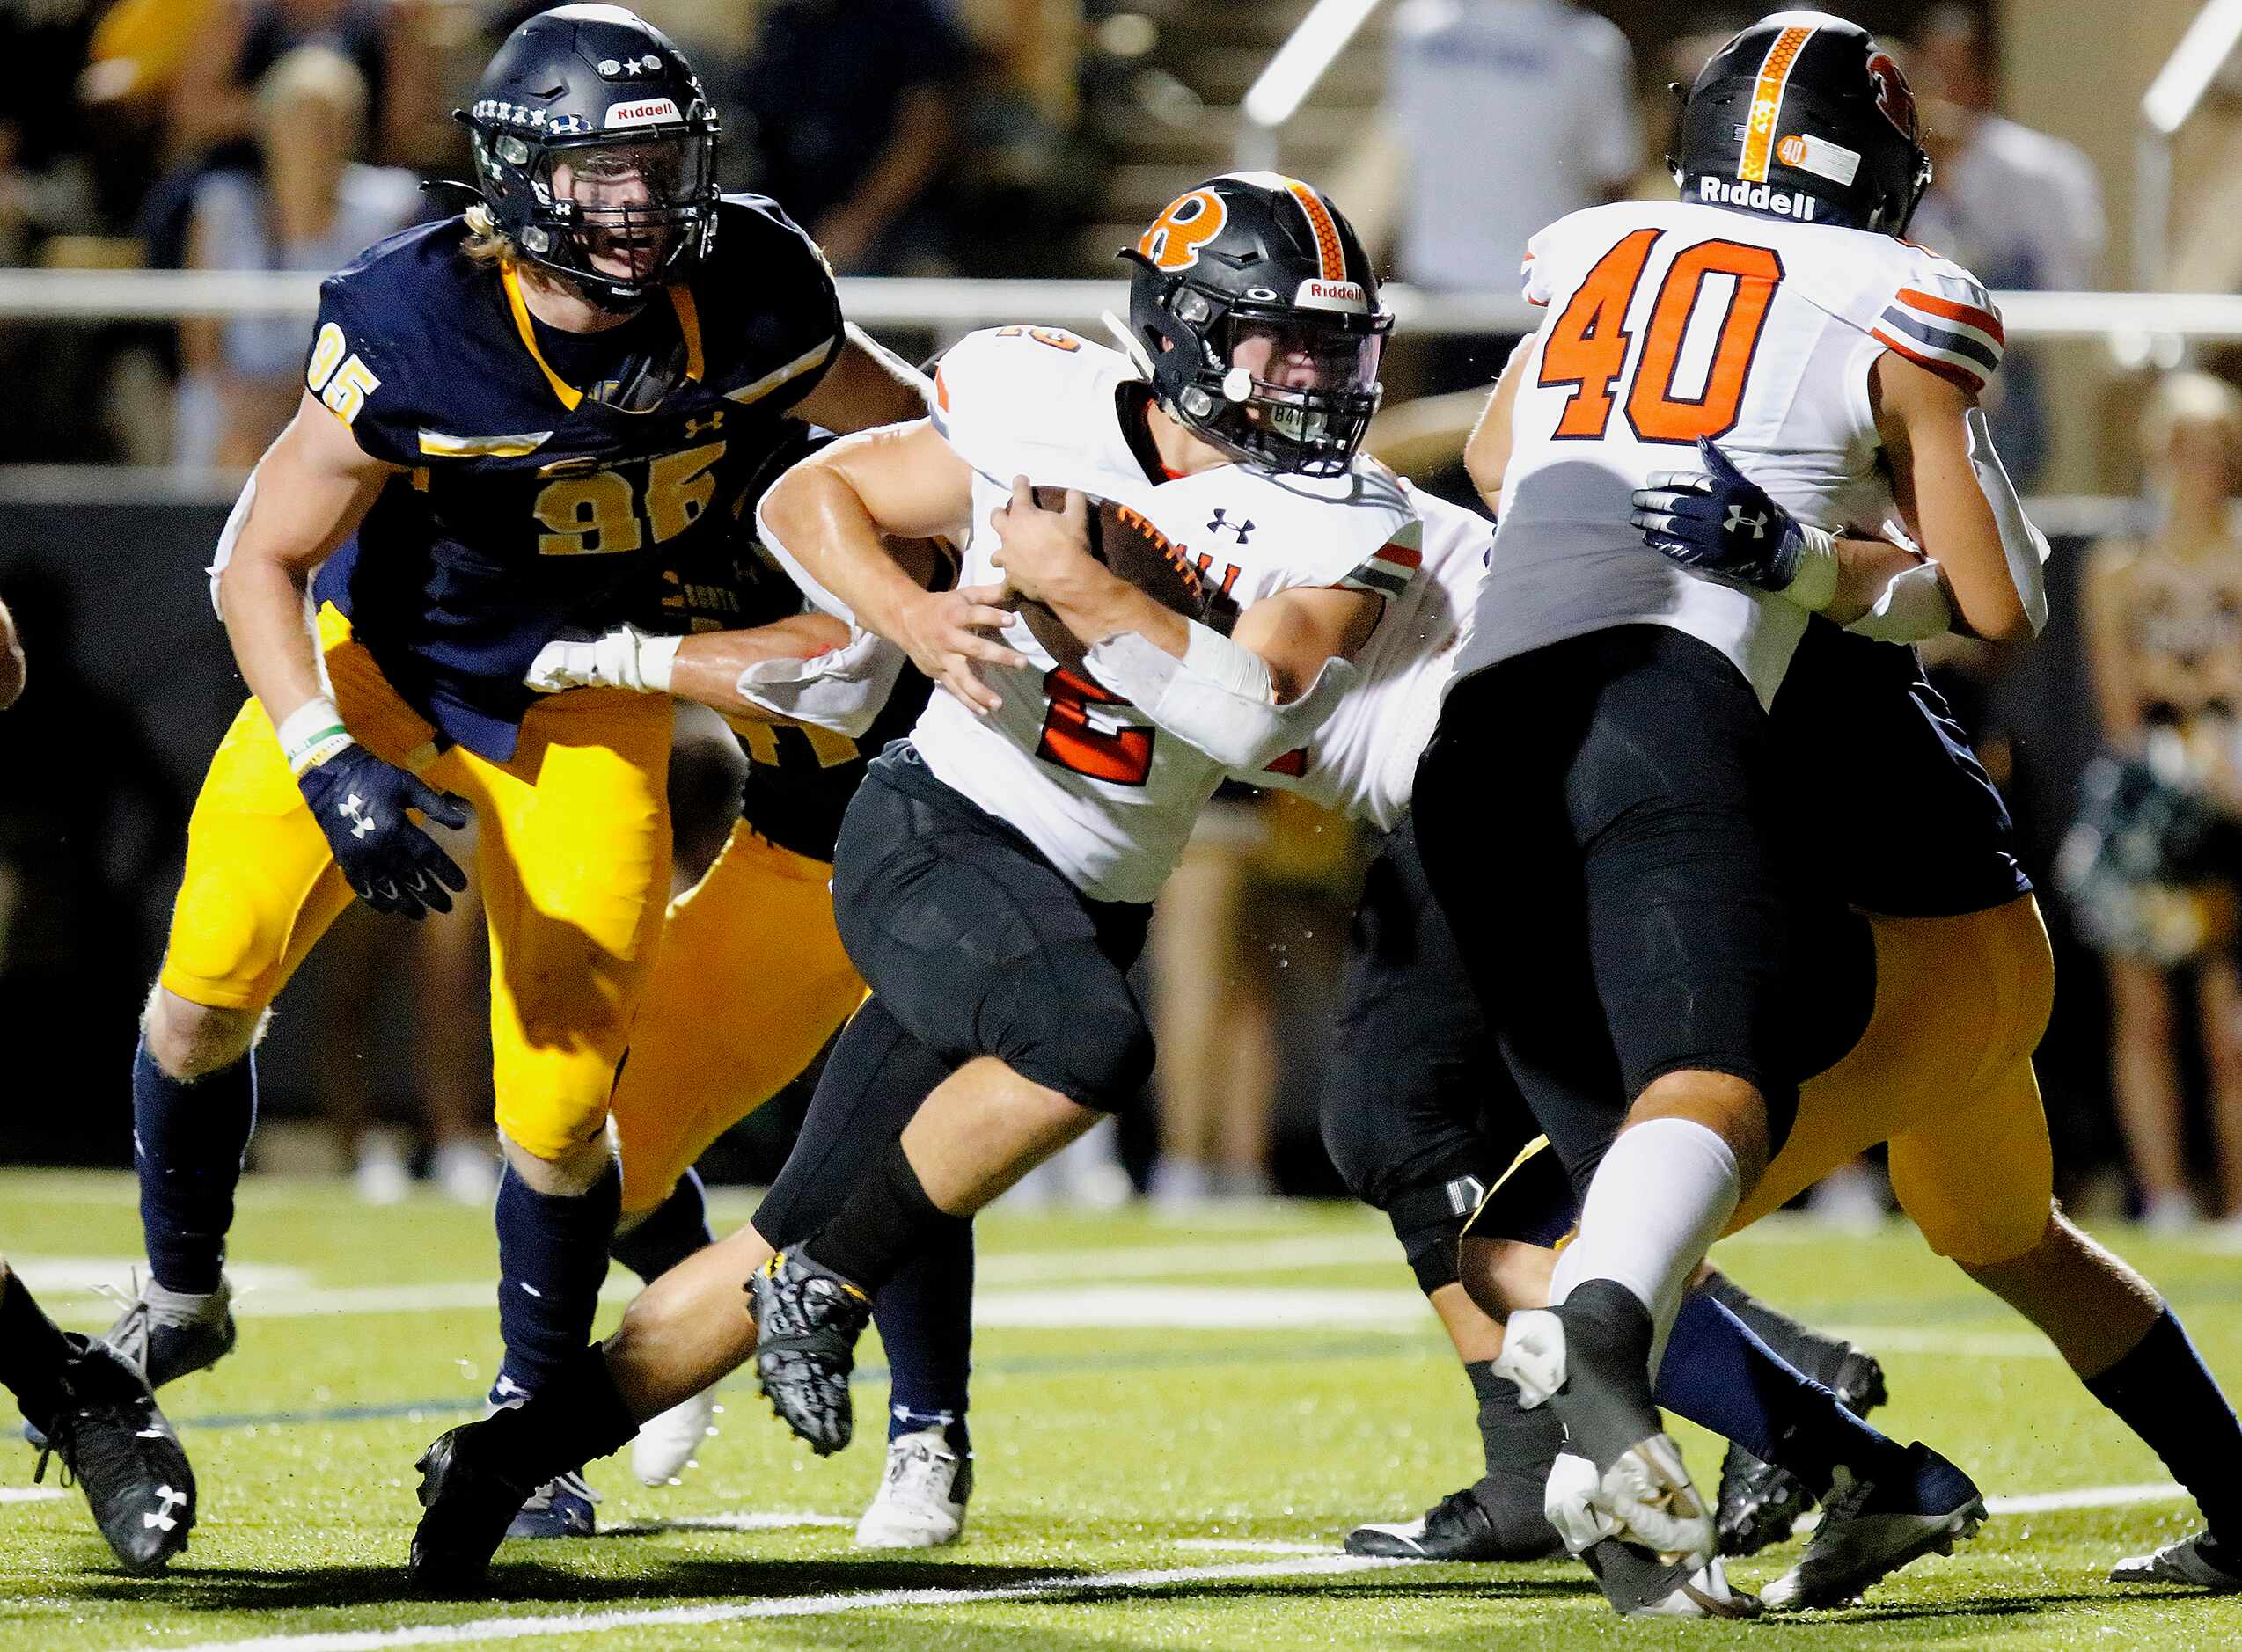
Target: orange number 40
(1587, 347)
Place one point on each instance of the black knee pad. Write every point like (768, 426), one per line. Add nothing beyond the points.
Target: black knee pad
(1428, 1220)
(1094, 1048)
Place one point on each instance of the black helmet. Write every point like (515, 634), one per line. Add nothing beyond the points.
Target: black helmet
(1257, 260)
(1803, 116)
(571, 83)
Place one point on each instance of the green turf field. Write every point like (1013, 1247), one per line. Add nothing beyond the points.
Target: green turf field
(1174, 1425)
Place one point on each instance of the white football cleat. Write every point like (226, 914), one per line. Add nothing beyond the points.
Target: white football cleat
(665, 1443)
(2181, 1562)
(921, 1499)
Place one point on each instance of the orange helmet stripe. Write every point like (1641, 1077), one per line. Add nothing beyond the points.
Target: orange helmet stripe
(1767, 102)
(1332, 256)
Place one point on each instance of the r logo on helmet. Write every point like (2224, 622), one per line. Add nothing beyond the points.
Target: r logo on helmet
(1893, 95)
(1189, 223)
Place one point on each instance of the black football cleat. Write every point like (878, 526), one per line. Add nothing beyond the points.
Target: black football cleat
(807, 1320)
(120, 1448)
(1760, 1504)
(466, 1511)
(1460, 1528)
(164, 1347)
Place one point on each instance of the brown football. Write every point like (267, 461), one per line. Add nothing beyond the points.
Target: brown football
(1138, 552)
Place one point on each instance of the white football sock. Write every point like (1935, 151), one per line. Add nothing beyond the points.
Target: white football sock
(1659, 1200)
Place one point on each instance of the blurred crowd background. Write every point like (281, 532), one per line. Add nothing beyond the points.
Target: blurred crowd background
(983, 138)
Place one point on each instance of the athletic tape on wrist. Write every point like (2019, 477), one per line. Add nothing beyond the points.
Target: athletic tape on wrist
(657, 659)
(311, 733)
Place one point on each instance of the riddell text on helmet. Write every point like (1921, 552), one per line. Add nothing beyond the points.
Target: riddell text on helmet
(1786, 203)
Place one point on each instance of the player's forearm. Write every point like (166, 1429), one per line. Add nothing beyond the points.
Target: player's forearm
(268, 615)
(824, 525)
(1095, 602)
(1864, 567)
(707, 666)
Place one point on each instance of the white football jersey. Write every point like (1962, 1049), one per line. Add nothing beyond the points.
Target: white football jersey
(1083, 774)
(1363, 760)
(1670, 321)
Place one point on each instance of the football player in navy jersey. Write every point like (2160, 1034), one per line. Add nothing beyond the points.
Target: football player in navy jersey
(513, 418)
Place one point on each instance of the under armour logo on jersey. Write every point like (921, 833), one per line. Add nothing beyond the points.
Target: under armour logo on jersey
(1220, 523)
(166, 1498)
(354, 807)
(696, 426)
(1737, 520)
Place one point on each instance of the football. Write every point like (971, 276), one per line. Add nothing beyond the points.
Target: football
(1122, 539)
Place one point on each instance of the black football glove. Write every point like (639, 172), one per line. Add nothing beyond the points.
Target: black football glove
(394, 866)
(1721, 522)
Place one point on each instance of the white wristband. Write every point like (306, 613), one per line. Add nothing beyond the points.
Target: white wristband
(311, 733)
(657, 658)
(1815, 586)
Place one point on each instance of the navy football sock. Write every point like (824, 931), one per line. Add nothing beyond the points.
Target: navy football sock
(575, 1416)
(925, 1315)
(2165, 1394)
(33, 1353)
(551, 1257)
(883, 1225)
(1718, 1373)
(672, 1230)
(1814, 1352)
(189, 1137)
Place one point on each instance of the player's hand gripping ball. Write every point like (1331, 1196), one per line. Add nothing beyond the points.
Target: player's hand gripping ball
(1721, 522)
(1112, 534)
(391, 864)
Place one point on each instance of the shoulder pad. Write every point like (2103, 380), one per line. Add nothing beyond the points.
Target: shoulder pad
(1938, 316)
(373, 336)
(1003, 386)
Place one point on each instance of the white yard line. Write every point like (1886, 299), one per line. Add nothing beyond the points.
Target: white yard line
(576, 1623)
(30, 1494)
(279, 1292)
(2085, 1497)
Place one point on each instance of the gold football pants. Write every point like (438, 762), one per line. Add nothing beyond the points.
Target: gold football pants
(573, 858)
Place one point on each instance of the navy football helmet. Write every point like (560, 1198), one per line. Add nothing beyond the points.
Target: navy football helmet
(1254, 312)
(595, 151)
(1803, 115)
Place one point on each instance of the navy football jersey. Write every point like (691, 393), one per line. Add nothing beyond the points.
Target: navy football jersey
(530, 505)
(1886, 789)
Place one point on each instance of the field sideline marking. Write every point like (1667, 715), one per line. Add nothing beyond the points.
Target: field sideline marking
(31, 1493)
(524, 1628)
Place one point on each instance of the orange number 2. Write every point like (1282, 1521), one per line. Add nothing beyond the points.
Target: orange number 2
(1121, 757)
(1587, 346)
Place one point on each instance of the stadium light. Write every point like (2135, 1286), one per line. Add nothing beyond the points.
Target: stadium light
(1277, 93)
(2195, 62)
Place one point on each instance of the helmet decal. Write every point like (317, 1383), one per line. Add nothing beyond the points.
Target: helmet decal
(1190, 221)
(1894, 96)
(1328, 250)
(1767, 102)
